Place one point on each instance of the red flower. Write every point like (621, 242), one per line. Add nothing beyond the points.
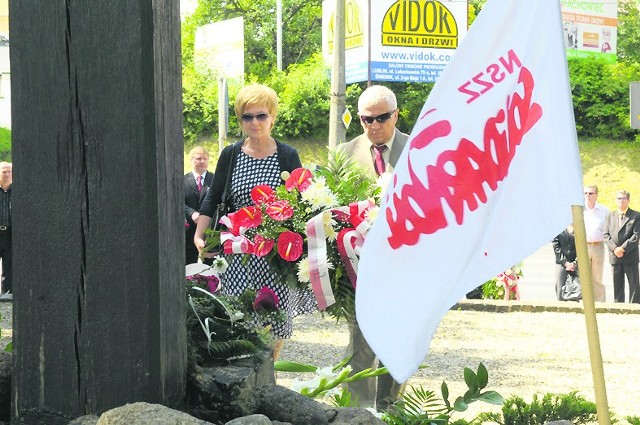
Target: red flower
(247, 217)
(213, 283)
(266, 299)
(300, 179)
(262, 194)
(262, 246)
(280, 210)
(290, 245)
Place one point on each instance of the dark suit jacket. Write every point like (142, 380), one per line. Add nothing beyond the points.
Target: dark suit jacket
(564, 246)
(193, 199)
(360, 150)
(626, 236)
(192, 202)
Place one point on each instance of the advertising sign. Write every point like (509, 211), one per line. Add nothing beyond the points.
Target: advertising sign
(356, 43)
(409, 40)
(590, 28)
(219, 47)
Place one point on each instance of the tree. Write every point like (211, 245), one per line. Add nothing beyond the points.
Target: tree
(301, 29)
(629, 31)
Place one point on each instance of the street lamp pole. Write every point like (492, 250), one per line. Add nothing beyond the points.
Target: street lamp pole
(279, 33)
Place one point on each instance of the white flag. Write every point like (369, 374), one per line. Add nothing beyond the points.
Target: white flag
(488, 176)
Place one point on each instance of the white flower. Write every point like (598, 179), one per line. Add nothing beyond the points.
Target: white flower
(298, 385)
(285, 175)
(374, 412)
(219, 265)
(372, 214)
(238, 315)
(383, 183)
(326, 372)
(318, 195)
(303, 271)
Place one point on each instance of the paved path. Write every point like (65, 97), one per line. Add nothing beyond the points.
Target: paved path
(538, 282)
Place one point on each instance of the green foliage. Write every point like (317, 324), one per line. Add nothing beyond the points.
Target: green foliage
(221, 328)
(551, 407)
(5, 144)
(304, 100)
(302, 33)
(633, 420)
(629, 31)
(422, 406)
(601, 98)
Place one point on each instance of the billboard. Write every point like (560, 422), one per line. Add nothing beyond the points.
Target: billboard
(219, 47)
(590, 28)
(397, 40)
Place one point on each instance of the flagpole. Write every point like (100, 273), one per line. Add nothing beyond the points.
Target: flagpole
(584, 267)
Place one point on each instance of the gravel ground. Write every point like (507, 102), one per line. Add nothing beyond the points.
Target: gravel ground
(525, 353)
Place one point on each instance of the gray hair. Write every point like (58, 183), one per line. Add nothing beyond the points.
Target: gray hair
(377, 94)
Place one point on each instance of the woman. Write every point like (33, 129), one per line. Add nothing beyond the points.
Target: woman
(564, 246)
(259, 159)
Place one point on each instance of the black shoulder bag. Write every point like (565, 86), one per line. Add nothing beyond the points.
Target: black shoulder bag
(224, 206)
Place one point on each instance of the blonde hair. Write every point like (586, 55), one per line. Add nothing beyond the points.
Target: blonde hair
(256, 95)
(198, 150)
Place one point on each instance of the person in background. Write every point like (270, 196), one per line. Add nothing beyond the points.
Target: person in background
(621, 236)
(6, 179)
(196, 186)
(564, 247)
(376, 150)
(259, 160)
(595, 221)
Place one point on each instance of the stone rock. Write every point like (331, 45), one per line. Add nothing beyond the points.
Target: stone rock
(85, 420)
(147, 414)
(282, 404)
(222, 393)
(6, 367)
(251, 420)
(355, 416)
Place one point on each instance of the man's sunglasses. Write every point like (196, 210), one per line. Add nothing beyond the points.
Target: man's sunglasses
(259, 117)
(382, 118)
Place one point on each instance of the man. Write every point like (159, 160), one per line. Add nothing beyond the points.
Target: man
(196, 184)
(621, 236)
(6, 178)
(595, 221)
(376, 150)
(379, 147)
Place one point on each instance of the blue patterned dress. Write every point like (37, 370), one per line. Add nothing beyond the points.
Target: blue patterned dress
(247, 174)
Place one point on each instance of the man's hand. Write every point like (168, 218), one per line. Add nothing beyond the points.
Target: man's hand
(618, 252)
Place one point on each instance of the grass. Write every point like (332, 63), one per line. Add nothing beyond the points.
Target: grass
(611, 165)
(5, 144)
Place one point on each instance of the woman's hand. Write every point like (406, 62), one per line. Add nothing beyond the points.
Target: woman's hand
(198, 237)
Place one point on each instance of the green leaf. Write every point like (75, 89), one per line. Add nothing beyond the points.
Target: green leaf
(9, 347)
(491, 397)
(460, 405)
(445, 393)
(287, 366)
(483, 376)
(470, 378)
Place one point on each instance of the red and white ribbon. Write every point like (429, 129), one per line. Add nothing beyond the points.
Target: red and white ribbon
(233, 244)
(349, 242)
(318, 263)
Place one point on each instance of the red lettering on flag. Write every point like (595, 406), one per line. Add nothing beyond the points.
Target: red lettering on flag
(415, 210)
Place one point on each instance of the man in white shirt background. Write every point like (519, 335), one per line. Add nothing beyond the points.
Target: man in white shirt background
(595, 219)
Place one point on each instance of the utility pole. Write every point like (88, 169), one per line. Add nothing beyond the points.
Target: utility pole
(279, 33)
(337, 130)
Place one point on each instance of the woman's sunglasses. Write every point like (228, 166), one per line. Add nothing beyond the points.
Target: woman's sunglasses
(259, 117)
(382, 118)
